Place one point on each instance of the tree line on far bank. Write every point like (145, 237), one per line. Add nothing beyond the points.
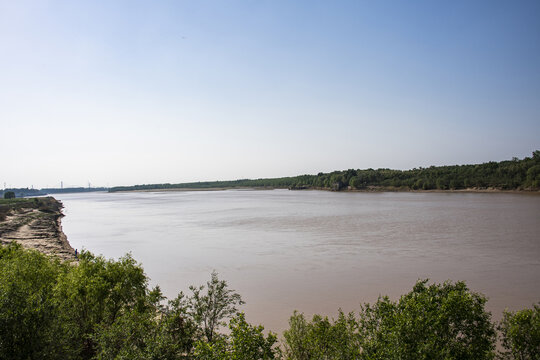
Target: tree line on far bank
(512, 174)
(104, 309)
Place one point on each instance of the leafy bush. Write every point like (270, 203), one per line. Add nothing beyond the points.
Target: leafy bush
(245, 342)
(28, 312)
(521, 334)
(322, 338)
(439, 321)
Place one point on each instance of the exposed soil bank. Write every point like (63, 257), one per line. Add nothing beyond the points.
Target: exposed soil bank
(35, 223)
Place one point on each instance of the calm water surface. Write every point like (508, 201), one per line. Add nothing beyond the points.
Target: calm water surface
(318, 251)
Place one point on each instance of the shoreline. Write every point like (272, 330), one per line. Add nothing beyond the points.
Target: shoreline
(197, 189)
(368, 190)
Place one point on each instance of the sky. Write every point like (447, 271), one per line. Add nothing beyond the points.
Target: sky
(138, 92)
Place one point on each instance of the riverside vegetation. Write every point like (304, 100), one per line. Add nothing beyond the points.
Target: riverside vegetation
(97, 308)
(512, 174)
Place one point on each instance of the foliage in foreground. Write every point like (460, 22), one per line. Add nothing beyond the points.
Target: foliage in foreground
(104, 309)
(521, 334)
(444, 321)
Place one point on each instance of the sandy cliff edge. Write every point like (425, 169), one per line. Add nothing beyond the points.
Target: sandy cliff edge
(35, 223)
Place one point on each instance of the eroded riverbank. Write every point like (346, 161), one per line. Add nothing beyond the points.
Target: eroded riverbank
(35, 223)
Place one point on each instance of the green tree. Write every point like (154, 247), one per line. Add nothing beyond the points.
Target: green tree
(9, 195)
(322, 338)
(521, 334)
(438, 321)
(209, 306)
(157, 332)
(132, 335)
(533, 176)
(28, 326)
(245, 342)
(93, 295)
(249, 343)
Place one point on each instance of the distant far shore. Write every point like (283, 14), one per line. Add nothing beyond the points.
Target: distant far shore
(504, 176)
(368, 190)
(467, 190)
(180, 189)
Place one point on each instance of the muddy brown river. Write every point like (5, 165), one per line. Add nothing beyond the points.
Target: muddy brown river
(317, 251)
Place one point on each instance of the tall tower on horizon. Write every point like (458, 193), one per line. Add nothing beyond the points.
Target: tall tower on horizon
(61, 184)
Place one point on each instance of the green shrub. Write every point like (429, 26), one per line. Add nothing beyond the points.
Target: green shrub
(28, 313)
(439, 321)
(322, 338)
(520, 332)
(245, 342)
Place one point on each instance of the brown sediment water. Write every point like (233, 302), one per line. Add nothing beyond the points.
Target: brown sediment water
(317, 251)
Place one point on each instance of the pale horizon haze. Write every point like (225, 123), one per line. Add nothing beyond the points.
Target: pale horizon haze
(139, 92)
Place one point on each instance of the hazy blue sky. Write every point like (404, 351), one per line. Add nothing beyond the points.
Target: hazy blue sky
(131, 92)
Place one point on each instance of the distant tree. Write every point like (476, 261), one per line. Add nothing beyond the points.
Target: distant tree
(510, 174)
(9, 195)
(533, 176)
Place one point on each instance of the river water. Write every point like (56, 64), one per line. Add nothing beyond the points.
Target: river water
(317, 251)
